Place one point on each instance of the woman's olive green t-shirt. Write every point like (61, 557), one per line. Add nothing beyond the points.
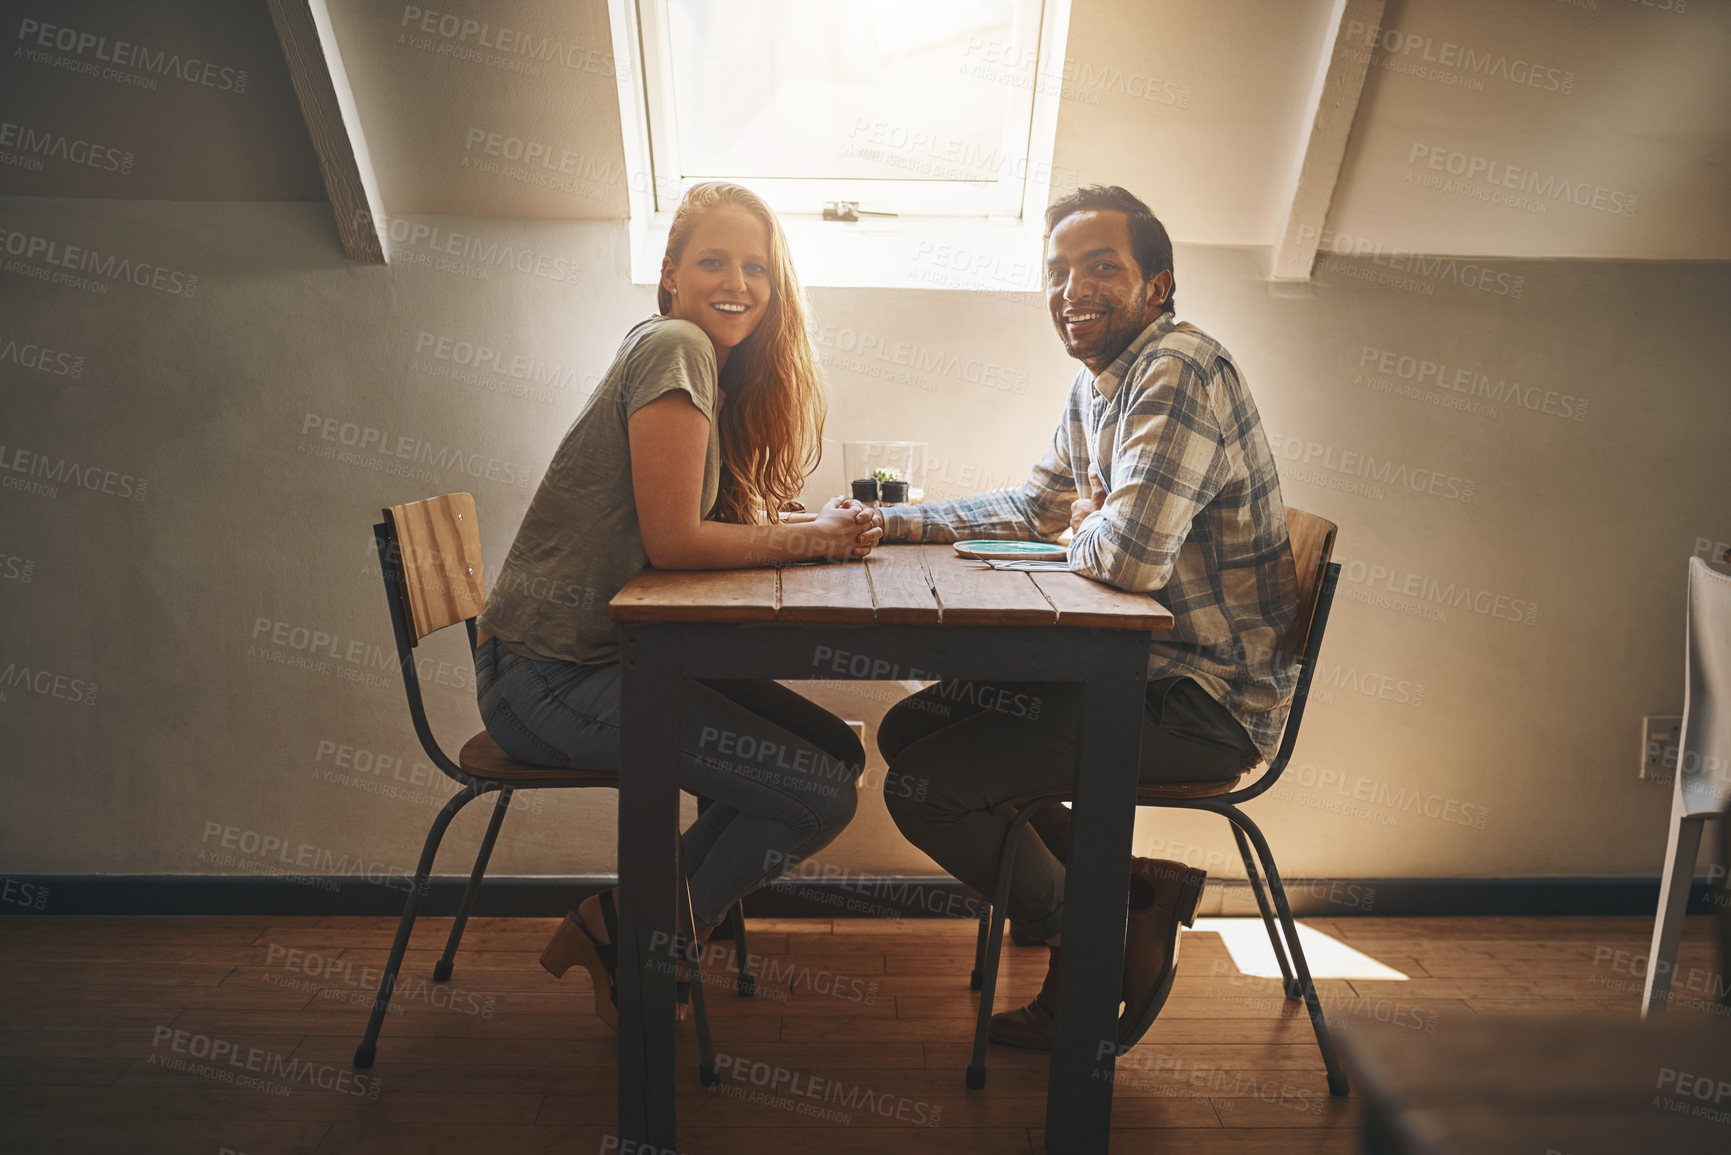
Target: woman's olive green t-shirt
(580, 542)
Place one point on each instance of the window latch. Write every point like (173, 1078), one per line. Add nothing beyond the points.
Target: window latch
(848, 211)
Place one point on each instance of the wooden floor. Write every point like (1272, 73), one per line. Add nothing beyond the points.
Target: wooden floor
(139, 1035)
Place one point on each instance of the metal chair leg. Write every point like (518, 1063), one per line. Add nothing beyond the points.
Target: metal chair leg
(693, 955)
(1288, 983)
(746, 983)
(442, 968)
(365, 1053)
(974, 980)
(1337, 1084)
(976, 1077)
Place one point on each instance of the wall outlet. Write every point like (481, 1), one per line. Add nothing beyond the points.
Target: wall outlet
(1660, 736)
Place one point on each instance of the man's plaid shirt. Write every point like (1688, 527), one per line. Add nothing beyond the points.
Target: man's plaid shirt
(1192, 511)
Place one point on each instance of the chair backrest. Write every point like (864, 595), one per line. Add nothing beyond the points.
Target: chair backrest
(1312, 539)
(1704, 757)
(1312, 548)
(437, 551)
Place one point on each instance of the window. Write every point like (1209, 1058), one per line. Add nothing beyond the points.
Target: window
(921, 107)
(938, 114)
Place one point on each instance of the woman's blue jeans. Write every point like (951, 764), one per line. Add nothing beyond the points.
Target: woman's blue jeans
(779, 769)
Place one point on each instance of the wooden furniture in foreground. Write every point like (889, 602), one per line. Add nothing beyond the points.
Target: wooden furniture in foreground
(907, 611)
(1312, 540)
(1577, 1086)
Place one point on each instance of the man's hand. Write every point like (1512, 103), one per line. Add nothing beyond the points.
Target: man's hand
(1083, 506)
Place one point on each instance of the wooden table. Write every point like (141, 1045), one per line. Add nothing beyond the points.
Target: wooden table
(1532, 1084)
(907, 611)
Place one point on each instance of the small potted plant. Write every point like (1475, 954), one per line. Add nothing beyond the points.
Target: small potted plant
(866, 490)
(892, 485)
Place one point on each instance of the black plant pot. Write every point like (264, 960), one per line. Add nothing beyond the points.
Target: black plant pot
(895, 492)
(865, 490)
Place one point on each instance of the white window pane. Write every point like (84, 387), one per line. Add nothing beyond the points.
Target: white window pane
(843, 89)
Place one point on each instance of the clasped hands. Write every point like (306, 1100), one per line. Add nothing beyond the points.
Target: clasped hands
(851, 528)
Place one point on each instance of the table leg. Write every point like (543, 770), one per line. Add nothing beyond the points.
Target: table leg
(1096, 893)
(648, 840)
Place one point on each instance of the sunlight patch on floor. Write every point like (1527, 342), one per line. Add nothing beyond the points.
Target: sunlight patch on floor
(1247, 942)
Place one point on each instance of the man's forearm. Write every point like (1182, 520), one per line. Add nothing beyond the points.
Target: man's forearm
(999, 513)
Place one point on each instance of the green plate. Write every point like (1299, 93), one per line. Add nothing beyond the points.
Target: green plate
(1020, 550)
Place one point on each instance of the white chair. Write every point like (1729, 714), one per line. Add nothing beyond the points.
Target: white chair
(1703, 783)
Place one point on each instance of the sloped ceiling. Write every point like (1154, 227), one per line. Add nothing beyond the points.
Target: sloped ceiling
(1519, 128)
(1628, 155)
(184, 100)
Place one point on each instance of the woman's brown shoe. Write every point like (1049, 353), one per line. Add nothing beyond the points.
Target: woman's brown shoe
(1163, 894)
(1035, 1025)
(572, 944)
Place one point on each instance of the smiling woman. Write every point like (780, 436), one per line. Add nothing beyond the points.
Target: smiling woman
(657, 470)
(728, 271)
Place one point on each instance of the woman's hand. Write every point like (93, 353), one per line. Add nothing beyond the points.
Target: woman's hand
(868, 517)
(842, 531)
(840, 502)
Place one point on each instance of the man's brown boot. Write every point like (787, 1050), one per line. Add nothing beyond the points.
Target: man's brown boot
(1163, 894)
(1035, 1025)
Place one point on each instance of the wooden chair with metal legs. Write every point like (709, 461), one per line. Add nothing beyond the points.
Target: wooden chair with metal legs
(1702, 790)
(1312, 544)
(430, 556)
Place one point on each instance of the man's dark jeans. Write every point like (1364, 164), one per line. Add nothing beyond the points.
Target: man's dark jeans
(973, 745)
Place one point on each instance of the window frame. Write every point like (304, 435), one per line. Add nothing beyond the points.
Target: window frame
(1003, 196)
(876, 251)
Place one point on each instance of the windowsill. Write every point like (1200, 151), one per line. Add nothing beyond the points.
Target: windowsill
(964, 254)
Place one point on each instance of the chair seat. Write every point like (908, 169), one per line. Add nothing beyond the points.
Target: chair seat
(482, 757)
(1147, 791)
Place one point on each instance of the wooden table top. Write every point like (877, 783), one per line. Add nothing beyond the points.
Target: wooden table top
(895, 585)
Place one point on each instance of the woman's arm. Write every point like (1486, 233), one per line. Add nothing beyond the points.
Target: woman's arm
(669, 437)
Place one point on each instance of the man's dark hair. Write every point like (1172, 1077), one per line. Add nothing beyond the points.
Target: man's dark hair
(1149, 243)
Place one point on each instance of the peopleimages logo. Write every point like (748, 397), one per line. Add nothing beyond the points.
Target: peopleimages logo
(1421, 372)
(1400, 46)
(1392, 799)
(84, 259)
(460, 31)
(1368, 683)
(1491, 174)
(471, 250)
(1465, 273)
(40, 473)
(129, 55)
(43, 144)
(1382, 580)
(41, 358)
(915, 358)
(418, 450)
(518, 366)
(47, 683)
(1366, 472)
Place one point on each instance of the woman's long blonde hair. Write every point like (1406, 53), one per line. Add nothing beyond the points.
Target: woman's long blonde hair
(771, 427)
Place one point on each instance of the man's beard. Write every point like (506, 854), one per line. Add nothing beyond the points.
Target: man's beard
(1123, 323)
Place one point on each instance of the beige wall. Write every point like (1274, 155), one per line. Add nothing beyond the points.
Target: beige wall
(219, 398)
(219, 517)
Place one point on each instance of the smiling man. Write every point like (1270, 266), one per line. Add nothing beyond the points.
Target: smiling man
(1160, 468)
